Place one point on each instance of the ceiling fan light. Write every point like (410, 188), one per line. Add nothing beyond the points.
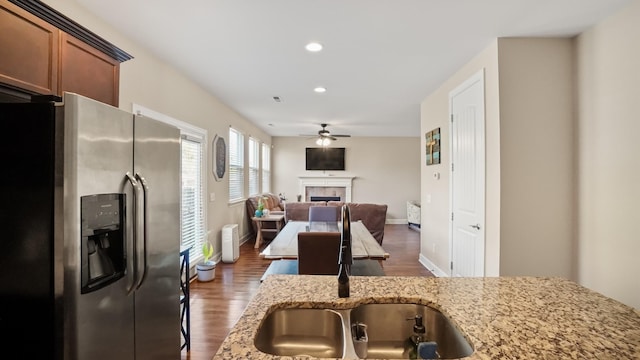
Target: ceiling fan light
(320, 89)
(326, 142)
(319, 142)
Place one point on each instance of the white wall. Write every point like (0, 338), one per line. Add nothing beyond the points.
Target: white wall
(386, 169)
(536, 157)
(148, 81)
(436, 214)
(528, 119)
(608, 79)
(592, 171)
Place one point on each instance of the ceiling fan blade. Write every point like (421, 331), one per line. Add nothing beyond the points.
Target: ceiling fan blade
(325, 134)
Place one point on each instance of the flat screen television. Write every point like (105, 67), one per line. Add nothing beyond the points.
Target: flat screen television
(324, 158)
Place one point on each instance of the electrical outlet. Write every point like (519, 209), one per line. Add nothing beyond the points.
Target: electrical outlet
(212, 196)
(433, 248)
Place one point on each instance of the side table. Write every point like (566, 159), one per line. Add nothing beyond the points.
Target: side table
(277, 219)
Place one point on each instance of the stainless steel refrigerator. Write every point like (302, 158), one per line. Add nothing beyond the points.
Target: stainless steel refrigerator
(90, 233)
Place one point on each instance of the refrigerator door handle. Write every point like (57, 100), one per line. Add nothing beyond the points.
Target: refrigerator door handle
(142, 245)
(138, 233)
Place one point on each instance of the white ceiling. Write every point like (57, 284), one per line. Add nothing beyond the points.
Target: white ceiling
(381, 58)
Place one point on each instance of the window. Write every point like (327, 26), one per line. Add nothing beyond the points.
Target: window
(254, 166)
(193, 227)
(236, 165)
(266, 168)
(192, 206)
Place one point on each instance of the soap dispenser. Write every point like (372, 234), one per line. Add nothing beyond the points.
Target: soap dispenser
(417, 337)
(418, 330)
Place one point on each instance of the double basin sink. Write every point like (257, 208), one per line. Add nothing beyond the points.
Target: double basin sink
(327, 333)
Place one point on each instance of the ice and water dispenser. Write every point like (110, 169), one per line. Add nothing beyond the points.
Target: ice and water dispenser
(103, 251)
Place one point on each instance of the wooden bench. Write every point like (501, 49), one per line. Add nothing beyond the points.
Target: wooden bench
(364, 267)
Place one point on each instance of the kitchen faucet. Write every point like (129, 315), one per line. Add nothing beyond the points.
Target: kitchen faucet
(345, 259)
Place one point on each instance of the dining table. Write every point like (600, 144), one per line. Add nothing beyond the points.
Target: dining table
(285, 244)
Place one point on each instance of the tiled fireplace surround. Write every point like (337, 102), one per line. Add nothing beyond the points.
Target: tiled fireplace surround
(326, 186)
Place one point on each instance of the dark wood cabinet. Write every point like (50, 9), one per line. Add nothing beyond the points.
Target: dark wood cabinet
(44, 52)
(87, 71)
(28, 51)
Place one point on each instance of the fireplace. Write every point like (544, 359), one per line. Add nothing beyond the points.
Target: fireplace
(333, 188)
(324, 198)
(325, 193)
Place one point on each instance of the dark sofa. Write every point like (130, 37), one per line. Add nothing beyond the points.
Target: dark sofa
(373, 216)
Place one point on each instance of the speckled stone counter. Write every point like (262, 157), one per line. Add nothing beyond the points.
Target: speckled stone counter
(504, 318)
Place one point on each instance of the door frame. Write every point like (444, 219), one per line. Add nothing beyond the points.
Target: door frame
(479, 76)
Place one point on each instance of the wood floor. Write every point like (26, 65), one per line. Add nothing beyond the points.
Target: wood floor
(217, 305)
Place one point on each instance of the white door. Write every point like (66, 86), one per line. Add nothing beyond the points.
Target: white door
(467, 179)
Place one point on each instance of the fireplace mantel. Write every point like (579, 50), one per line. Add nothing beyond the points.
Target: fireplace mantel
(327, 181)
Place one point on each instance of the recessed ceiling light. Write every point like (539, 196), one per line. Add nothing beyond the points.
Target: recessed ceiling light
(320, 89)
(313, 47)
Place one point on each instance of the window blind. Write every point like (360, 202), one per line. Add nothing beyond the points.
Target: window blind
(254, 166)
(236, 165)
(192, 203)
(266, 168)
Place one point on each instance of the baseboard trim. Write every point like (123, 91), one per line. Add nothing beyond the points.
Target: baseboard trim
(245, 238)
(431, 267)
(396, 221)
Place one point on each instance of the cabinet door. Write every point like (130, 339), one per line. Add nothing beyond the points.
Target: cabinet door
(28, 51)
(87, 71)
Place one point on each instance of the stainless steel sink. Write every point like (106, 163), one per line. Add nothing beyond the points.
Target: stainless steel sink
(302, 332)
(389, 330)
(326, 333)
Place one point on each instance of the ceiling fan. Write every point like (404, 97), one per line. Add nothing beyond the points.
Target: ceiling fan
(324, 137)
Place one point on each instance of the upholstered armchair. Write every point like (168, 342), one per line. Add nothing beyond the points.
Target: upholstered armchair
(413, 213)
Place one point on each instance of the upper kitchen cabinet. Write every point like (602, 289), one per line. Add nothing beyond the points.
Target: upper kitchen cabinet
(44, 52)
(80, 63)
(28, 51)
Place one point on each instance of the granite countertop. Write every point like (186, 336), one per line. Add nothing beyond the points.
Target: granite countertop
(503, 317)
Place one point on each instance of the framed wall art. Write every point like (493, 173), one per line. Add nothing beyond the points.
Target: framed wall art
(219, 157)
(433, 146)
